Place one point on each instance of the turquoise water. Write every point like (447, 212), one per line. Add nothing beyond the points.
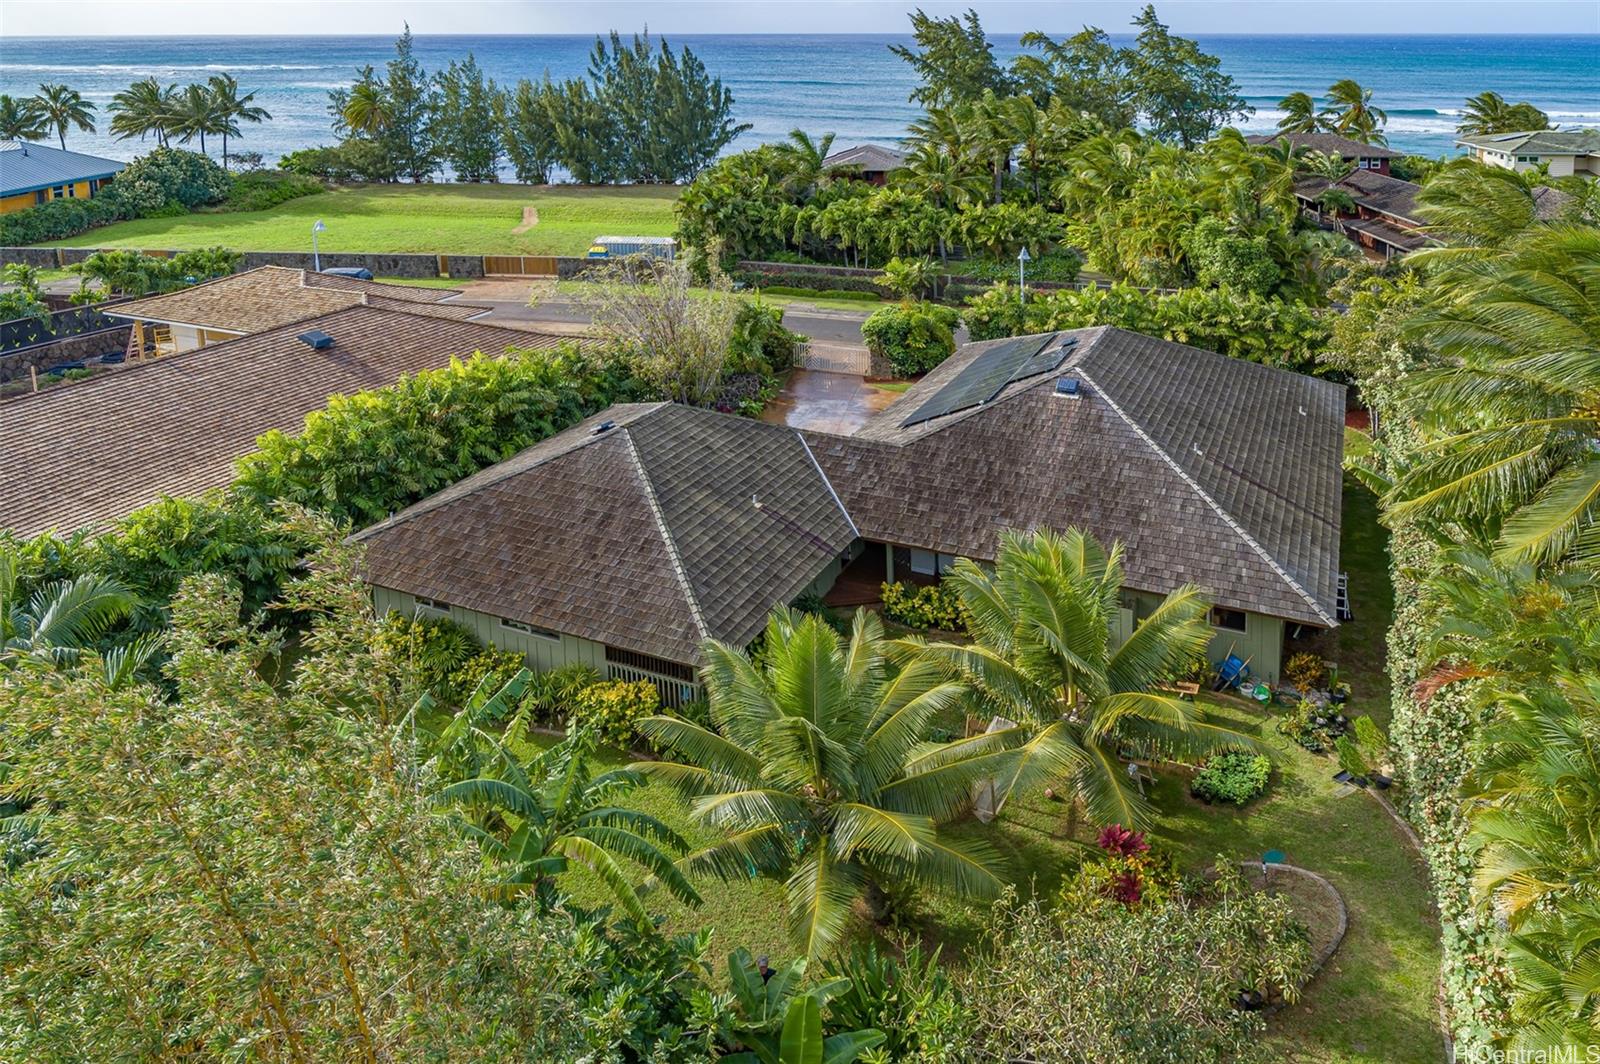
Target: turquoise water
(851, 85)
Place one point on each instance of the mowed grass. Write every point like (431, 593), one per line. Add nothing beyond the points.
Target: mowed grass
(447, 219)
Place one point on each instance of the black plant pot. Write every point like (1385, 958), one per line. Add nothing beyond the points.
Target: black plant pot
(1341, 776)
(1380, 781)
(1359, 781)
(1250, 1001)
(1339, 698)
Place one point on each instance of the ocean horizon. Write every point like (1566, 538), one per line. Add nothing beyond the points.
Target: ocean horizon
(849, 84)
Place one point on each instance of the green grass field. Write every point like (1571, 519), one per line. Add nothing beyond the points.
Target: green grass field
(448, 219)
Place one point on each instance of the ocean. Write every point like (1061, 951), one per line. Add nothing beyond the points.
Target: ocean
(850, 85)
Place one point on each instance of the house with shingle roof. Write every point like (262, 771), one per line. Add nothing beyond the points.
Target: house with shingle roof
(1384, 222)
(872, 163)
(1356, 154)
(268, 297)
(1564, 152)
(625, 541)
(87, 454)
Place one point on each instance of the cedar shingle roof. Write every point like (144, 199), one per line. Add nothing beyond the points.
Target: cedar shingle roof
(1370, 189)
(1210, 470)
(86, 454)
(1328, 144)
(673, 525)
(270, 296)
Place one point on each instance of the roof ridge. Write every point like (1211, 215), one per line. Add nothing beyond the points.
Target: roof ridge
(666, 533)
(818, 467)
(1194, 484)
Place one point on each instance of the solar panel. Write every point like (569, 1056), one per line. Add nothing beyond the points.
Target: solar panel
(987, 375)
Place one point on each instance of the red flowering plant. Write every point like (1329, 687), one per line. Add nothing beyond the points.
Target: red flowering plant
(1128, 872)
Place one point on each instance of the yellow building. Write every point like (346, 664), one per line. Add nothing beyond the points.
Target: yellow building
(37, 173)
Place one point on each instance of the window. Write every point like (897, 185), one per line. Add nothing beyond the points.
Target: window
(1231, 620)
(432, 605)
(39, 197)
(58, 192)
(930, 563)
(1363, 164)
(528, 629)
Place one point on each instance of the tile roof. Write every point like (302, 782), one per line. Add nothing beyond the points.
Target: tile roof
(1539, 142)
(1328, 144)
(1210, 470)
(672, 525)
(25, 167)
(867, 156)
(270, 296)
(86, 454)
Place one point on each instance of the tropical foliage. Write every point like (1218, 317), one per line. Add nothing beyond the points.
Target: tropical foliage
(817, 770)
(1042, 653)
(911, 338)
(1488, 112)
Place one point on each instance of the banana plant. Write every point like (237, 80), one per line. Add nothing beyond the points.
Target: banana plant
(778, 1023)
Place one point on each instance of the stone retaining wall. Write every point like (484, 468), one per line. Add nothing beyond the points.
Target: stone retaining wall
(381, 265)
(14, 365)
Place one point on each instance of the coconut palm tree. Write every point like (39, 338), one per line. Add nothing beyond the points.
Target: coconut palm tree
(1488, 113)
(60, 619)
(143, 108)
(1041, 653)
(1328, 164)
(194, 114)
(807, 155)
(1350, 113)
(1300, 114)
(366, 111)
(233, 109)
(535, 819)
(21, 119)
(61, 106)
(818, 769)
(1475, 206)
(1512, 406)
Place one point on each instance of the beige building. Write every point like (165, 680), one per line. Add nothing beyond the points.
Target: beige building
(1565, 153)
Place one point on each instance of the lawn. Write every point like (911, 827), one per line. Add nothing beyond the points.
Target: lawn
(448, 219)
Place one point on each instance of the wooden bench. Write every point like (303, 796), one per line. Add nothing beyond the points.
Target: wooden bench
(1182, 690)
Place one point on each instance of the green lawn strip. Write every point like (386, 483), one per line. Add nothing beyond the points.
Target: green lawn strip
(426, 282)
(1360, 645)
(448, 219)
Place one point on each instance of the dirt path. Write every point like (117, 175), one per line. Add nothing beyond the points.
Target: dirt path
(530, 218)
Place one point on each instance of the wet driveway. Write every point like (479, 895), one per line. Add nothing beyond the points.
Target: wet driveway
(839, 403)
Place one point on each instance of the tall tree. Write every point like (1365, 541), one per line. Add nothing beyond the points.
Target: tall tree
(807, 153)
(1042, 654)
(1300, 114)
(1488, 113)
(62, 107)
(196, 113)
(1350, 113)
(1181, 91)
(1082, 74)
(819, 771)
(21, 119)
(232, 109)
(527, 133)
(143, 108)
(408, 96)
(953, 60)
(464, 125)
(364, 109)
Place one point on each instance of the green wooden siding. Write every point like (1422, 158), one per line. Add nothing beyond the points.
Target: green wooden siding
(1261, 643)
(541, 653)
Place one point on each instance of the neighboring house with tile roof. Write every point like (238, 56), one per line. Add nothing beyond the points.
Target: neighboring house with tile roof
(624, 546)
(622, 543)
(1359, 156)
(1384, 222)
(37, 173)
(86, 454)
(1564, 152)
(268, 297)
(872, 163)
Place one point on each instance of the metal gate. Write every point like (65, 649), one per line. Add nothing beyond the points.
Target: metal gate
(519, 266)
(835, 358)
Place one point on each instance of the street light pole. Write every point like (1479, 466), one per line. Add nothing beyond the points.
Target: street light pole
(1023, 258)
(316, 260)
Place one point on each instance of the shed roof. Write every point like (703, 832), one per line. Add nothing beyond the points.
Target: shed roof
(86, 454)
(672, 525)
(1328, 144)
(27, 167)
(269, 296)
(1210, 470)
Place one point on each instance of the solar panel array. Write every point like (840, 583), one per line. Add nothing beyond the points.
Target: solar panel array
(987, 375)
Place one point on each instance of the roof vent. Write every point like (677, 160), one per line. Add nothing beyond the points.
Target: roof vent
(604, 426)
(316, 339)
(1067, 387)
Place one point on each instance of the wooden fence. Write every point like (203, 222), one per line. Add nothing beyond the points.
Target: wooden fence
(520, 265)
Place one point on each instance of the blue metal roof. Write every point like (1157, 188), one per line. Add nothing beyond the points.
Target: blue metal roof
(26, 167)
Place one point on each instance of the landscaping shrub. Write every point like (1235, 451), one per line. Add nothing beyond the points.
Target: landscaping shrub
(852, 294)
(924, 606)
(910, 999)
(446, 658)
(1232, 776)
(164, 181)
(612, 708)
(1309, 725)
(551, 694)
(1059, 265)
(760, 343)
(125, 272)
(56, 220)
(1350, 758)
(813, 603)
(1306, 672)
(1240, 325)
(804, 283)
(913, 337)
(1371, 741)
(259, 190)
(370, 454)
(1112, 969)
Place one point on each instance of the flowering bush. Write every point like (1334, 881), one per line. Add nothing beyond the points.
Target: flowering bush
(927, 606)
(613, 707)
